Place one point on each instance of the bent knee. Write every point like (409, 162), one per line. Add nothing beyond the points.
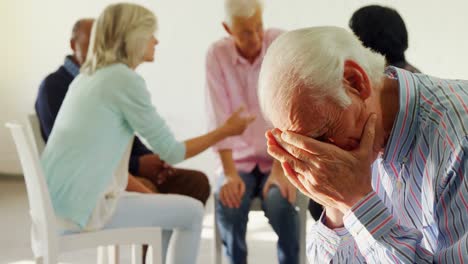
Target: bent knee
(194, 210)
(204, 186)
(275, 199)
(230, 214)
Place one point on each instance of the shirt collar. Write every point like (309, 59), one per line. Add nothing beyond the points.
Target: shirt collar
(405, 126)
(238, 59)
(71, 66)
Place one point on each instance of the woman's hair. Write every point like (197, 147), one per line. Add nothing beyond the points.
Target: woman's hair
(381, 29)
(119, 35)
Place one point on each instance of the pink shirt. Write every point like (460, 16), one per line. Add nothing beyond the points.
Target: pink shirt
(232, 82)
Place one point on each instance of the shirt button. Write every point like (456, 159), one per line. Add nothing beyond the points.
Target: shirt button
(405, 159)
(399, 185)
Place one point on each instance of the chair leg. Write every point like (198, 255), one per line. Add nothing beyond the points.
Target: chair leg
(153, 256)
(51, 258)
(137, 254)
(102, 257)
(113, 254)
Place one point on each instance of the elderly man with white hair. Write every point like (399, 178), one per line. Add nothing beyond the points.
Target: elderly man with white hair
(232, 67)
(383, 150)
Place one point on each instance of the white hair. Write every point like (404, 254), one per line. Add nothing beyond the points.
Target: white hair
(120, 35)
(241, 8)
(312, 59)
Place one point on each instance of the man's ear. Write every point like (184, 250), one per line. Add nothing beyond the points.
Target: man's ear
(357, 79)
(72, 44)
(226, 27)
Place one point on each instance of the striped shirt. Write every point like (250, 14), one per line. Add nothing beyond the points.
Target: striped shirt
(418, 211)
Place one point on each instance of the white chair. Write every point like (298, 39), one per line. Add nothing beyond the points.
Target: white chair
(36, 129)
(44, 226)
(112, 254)
(301, 203)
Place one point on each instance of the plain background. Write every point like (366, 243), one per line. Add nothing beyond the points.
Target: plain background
(35, 39)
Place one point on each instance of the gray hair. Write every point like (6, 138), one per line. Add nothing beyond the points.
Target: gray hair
(241, 8)
(120, 35)
(313, 59)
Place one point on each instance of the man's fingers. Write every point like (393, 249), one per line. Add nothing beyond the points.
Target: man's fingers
(271, 140)
(308, 144)
(292, 194)
(265, 189)
(239, 110)
(295, 151)
(292, 177)
(311, 191)
(283, 156)
(231, 198)
(368, 135)
(240, 193)
(283, 190)
(287, 195)
(222, 197)
(250, 119)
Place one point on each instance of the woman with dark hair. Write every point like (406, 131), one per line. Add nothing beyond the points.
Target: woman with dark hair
(383, 30)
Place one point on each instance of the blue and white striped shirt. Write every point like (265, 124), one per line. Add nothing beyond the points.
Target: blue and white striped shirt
(418, 211)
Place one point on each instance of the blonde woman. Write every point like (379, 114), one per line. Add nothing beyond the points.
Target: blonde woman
(86, 157)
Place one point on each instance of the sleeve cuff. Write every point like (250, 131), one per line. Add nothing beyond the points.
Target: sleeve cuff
(368, 220)
(323, 243)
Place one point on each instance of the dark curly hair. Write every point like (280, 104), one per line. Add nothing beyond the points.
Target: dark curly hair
(381, 29)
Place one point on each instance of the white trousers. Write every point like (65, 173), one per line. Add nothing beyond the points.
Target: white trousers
(180, 214)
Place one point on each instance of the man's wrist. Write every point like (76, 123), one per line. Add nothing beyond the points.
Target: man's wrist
(347, 204)
(231, 175)
(333, 218)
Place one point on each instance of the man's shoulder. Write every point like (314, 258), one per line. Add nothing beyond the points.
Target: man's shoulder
(443, 102)
(221, 45)
(272, 33)
(58, 79)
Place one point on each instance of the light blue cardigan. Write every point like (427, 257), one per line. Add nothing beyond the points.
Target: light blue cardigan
(99, 116)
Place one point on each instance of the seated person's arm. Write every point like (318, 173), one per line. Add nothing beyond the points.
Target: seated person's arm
(235, 125)
(132, 99)
(48, 103)
(233, 187)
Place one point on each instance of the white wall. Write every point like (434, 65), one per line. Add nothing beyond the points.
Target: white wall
(35, 39)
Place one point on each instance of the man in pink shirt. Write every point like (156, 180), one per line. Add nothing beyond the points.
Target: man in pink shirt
(232, 69)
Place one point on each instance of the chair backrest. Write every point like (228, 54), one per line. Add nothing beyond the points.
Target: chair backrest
(42, 213)
(36, 129)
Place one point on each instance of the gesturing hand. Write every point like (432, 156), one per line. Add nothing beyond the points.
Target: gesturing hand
(327, 174)
(237, 122)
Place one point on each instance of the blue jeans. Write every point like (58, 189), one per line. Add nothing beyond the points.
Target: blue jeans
(282, 216)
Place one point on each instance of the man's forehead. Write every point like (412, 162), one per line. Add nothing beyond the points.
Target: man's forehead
(248, 21)
(304, 120)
